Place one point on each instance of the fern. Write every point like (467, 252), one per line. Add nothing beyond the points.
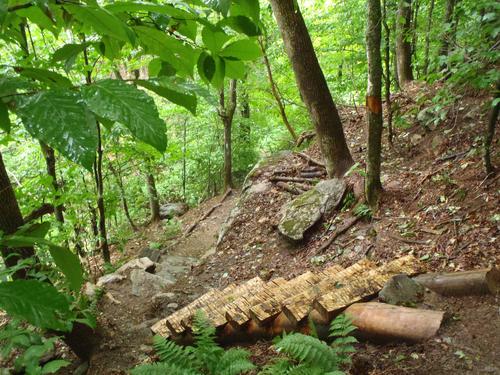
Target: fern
(341, 328)
(163, 369)
(234, 362)
(170, 352)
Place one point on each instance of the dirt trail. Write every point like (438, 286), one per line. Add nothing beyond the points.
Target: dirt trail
(125, 318)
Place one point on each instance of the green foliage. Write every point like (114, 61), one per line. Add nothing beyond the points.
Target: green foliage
(309, 355)
(363, 210)
(205, 357)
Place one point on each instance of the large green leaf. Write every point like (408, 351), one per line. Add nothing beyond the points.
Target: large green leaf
(244, 49)
(69, 264)
(221, 6)
(124, 103)
(241, 24)
(68, 54)
(206, 67)
(4, 117)
(171, 92)
(45, 76)
(235, 69)
(10, 85)
(102, 21)
(249, 8)
(37, 302)
(166, 9)
(60, 119)
(214, 38)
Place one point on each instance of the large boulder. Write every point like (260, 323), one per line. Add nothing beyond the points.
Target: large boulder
(147, 284)
(304, 211)
(144, 264)
(170, 210)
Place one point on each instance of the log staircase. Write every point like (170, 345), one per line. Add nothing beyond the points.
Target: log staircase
(264, 308)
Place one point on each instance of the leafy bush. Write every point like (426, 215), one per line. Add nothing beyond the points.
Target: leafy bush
(311, 356)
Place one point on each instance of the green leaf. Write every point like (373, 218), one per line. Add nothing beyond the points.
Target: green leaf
(242, 50)
(68, 51)
(69, 264)
(124, 103)
(206, 67)
(37, 16)
(221, 6)
(51, 79)
(36, 302)
(220, 72)
(241, 24)
(249, 8)
(4, 117)
(235, 69)
(10, 85)
(172, 93)
(214, 38)
(166, 9)
(54, 366)
(59, 118)
(102, 21)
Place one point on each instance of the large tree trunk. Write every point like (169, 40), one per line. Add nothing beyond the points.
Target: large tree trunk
(374, 102)
(10, 220)
(428, 37)
(387, 63)
(50, 162)
(226, 113)
(490, 133)
(313, 87)
(275, 92)
(403, 45)
(154, 202)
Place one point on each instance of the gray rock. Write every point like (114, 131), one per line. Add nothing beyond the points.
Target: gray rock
(153, 254)
(402, 290)
(109, 279)
(145, 284)
(161, 298)
(144, 264)
(170, 210)
(304, 211)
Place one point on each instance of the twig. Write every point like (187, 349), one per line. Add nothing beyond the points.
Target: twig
(337, 233)
(310, 159)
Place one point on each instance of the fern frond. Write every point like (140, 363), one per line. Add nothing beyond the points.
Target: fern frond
(206, 350)
(304, 369)
(341, 326)
(279, 367)
(162, 369)
(171, 353)
(308, 350)
(234, 362)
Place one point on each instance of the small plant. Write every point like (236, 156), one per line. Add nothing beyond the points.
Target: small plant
(309, 355)
(348, 201)
(205, 357)
(363, 211)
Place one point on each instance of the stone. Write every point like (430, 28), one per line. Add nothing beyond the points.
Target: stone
(144, 264)
(174, 209)
(162, 297)
(109, 279)
(308, 208)
(145, 284)
(402, 290)
(90, 290)
(153, 254)
(173, 306)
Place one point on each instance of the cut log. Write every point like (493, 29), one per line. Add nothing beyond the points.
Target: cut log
(381, 321)
(477, 282)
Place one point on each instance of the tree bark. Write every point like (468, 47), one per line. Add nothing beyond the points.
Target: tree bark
(154, 202)
(448, 27)
(428, 37)
(226, 113)
(374, 102)
(10, 220)
(103, 235)
(313, 87)
(50, 162)
(275, 92)
(387, 63)
(119, 181)
(490, 133)
(403, 43)
(414, 39)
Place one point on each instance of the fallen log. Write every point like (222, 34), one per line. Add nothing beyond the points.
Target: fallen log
(382, 321)
(310, 159)
(476, 282)
(291, 179)
(316, 174)
(292, 189)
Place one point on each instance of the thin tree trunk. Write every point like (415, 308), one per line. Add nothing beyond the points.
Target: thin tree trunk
(414, 40)
(10, 220)
(275, 92)
(374, 102)
(245, 115)
(490, 133)
(447, 35)
(403, 43)
(184, 161)
(313, 87)
(387, 63)
(154, 202)
(428, 37)
(119, 181)
(226, 113)
(50, 162)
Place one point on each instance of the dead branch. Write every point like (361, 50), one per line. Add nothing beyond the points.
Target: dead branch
(304, 137)
(338, 232)
(312, 174)
(310, 159)
(409, 241)
(291, 179)
(45, 209)
(290, 188)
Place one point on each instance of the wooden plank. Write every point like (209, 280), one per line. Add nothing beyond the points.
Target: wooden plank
(361, 286)
(298, 306)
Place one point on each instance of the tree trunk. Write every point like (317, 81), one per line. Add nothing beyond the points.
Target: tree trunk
(403, 45)
(313, 87)
(154, 202)
(226, 113)
(275, 92)
(184, 161)
(374, 102)
(119, 181)
(10, 220)
(414, 39)
(428, 38)
(448, 27)
(490, 133)
(50, 162)
(387, 63)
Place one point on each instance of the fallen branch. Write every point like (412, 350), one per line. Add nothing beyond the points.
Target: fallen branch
(304, 137)
(291, 179)
(452, 156)
(312, 174)
(208, 213)
(290, 188)
(310, 159)
(410, 241)
(337, 233)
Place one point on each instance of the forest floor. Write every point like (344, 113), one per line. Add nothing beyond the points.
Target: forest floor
(437, 205)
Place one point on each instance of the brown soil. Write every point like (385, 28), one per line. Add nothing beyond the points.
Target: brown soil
(436, 205)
